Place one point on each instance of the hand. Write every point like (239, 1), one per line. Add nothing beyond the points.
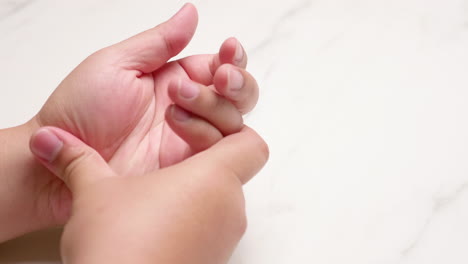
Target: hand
(116, 101)
(192, 212)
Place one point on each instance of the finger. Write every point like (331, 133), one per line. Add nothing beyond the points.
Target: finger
(237, 85)
(149, 50)
(68, 157)
(201, 68)
(207, 104)
(233, 53)
(242, 154)
(198, 133)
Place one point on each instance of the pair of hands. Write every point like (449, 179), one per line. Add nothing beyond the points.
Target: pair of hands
(116, 102)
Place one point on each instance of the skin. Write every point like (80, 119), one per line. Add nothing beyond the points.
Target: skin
(124, 101)
(191, 212)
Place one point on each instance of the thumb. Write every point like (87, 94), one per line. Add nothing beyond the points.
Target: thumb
(69, 158)
(150, 49)
(242, 154)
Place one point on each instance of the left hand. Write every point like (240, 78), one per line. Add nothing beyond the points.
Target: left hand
(115, 100)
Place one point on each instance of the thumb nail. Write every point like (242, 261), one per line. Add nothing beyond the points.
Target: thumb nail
(46, 145)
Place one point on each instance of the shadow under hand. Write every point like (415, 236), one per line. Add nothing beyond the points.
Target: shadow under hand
(38, 247)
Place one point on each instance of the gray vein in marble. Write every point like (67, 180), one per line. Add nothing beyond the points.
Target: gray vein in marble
(275, 30)
(440, 203)
(10, 8)
(407, 251)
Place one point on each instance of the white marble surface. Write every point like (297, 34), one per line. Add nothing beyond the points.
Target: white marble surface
(363, 104)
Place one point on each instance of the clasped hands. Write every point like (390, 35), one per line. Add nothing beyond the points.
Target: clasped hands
(143, 159)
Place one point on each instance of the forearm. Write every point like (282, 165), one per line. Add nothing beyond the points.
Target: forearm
(19, 173)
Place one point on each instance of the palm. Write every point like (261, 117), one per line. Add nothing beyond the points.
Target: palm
(120, 114)
(151, 144)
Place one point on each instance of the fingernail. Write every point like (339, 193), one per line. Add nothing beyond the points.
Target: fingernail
(188, 90)
(46, 144)
(179, 114)
(239, 55)
(236, 80)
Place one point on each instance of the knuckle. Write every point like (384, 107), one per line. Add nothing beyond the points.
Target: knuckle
(202, 135)
(208, 137)
(231, 120)
(73, 165)
(168, 44)
(218, 104)
(167, 39)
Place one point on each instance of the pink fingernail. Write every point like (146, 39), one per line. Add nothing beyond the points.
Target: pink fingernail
(180, 114)
(236, 80)
(188, 89)
(239, 55)
(46, 145)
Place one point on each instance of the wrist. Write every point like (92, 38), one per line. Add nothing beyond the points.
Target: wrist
(23, 180)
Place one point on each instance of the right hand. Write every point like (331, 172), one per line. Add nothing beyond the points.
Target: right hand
(192, 212)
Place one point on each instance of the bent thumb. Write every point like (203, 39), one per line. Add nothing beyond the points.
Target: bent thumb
(67, 157)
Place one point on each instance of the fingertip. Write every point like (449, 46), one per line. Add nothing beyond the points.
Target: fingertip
(187, 7)
(180, 28)
(187, 12)
(221, 79)
(68, 157)
(177, 114)
(238, 86)
(196, 132)
(239, 54)
(227, 50)
(182, 89)
(149, 50)
(230, 81)
(45, 144)
(232, 52)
